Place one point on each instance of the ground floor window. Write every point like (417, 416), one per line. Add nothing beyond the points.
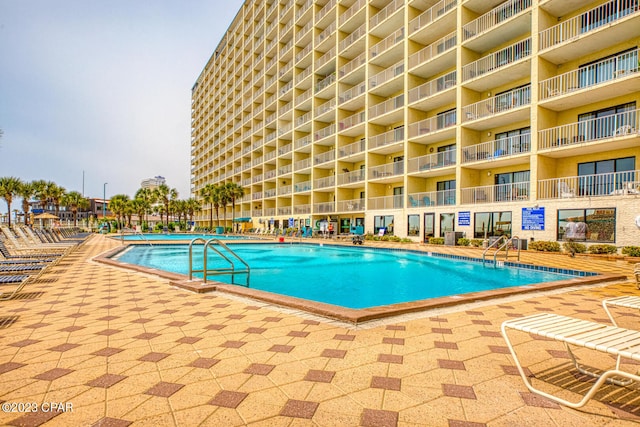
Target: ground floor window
(487, 224)
(429, 227)
(447, 221)
(383, 221)
(413, 225)
(591, 225)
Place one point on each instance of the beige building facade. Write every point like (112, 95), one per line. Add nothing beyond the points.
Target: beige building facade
(483, 117)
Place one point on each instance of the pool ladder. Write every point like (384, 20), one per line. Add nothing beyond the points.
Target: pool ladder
(506, 244)
(231, 270)
(133, 231)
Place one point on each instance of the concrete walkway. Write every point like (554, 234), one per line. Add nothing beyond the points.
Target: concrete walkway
(91, 344)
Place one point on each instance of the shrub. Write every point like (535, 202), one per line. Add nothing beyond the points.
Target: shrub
(406, 240)
(631, 251)
(436, 240)
(574, 247)
(603, 249)
(476, 242)
(463, 241)
(544, 246)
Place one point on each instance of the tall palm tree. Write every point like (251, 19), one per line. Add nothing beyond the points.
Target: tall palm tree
(40, 193)
(166, 194)
(225, 198)
(234, 192)
(117, 205)
(210, 193)
(75, 201)
(55, 193)
(9, 187)
(192, 206)
(145, 199)
(26, 192)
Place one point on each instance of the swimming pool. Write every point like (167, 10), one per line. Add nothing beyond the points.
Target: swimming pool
(346, 276)
(179, 236)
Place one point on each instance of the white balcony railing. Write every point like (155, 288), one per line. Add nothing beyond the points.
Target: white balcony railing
(352, 11)
(351, 121)
(431, 14)
(502, 147)
(436, 48)
(302, 209)
(352, 93)
(384, 139)
(352, 65)
(325, 132)
(590, 75)
(385, 12)
(497, 60)
(387, 43)
(386, 170)
(592, 130)
(516, 191)
(432, 87)
(626, 183)
(429, 162)
(598, 17)
(432, 124)
(498, 104)
(325, 157)
(494, 17)
(351, 205)
(386, 106)
(386, 202)
(302, 186)
(432, 198)
(325, 207)
(353, 37)
(350, 177)
(386, 75)
(353, 148)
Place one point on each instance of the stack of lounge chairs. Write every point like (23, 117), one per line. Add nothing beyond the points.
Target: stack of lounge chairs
(26, 254)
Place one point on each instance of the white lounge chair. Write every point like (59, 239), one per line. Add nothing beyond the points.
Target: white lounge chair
(564, 191)
(618, 342)
(631, 302)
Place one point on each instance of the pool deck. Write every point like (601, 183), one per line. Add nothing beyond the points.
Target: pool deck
(121, 347)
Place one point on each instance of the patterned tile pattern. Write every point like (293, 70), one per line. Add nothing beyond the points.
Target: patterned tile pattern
(128, 349)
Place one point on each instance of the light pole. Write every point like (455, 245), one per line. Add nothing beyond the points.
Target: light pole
(104, 202)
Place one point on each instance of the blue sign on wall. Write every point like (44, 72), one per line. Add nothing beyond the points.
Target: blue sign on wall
(533, 219)
(464, 218)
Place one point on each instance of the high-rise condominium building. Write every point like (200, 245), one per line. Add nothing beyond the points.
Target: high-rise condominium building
(153, 183)
(423, 117)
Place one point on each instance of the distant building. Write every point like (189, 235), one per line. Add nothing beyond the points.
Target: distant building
(153, 183)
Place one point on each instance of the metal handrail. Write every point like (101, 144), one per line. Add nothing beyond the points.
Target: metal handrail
(206, 272)
(134, 232)
(505, 245)
(484, 253)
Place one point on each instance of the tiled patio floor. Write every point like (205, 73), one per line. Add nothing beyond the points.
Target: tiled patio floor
(123, 348)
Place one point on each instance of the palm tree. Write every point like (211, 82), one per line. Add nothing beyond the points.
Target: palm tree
(225, 198)
(165, 194)
(117, 205)
(55, 194)
(234, 192)
(74, 201)
(9, 187)
(192, 206)
(210, 193)
(145, 198)
(27, 191)
(40, 193)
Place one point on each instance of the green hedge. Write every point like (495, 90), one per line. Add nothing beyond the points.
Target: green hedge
(544, 246)
(603, 249)
(574, 247)
(631, 251)
(436, 240)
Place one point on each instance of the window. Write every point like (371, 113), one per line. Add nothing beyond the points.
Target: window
(603, 177)
(511, 185)
(607, 68)
(429, 225)
(606, 13)
(448, 156)
(446, 194)
(607, 122)
(488, 224)
(383, 221)
(447, 221)
(413, 225)
(398, 197)
(590, 225)
(446, 118)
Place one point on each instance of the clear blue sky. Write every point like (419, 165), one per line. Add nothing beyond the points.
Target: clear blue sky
(103, 87)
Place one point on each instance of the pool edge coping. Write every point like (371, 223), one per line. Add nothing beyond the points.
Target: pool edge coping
(353, 315)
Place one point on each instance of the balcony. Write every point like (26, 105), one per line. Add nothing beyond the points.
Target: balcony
(388, 81)
(625, 184)
(389, 50)
(434, 93)
(433, 21)
(387, 18)
(353, 151)
(328, 181)
(284, 210)
(304, 142)
(302, 165)
(325, 133)
(386, 172)
(353, 9)
(433, 129)
(325, 207)
(302, 187)
(603, 26)
(386, 202)
(302, 209)
(420, 166)
(432, 198)
(351, 177)
(434, 58)
(350, 125)
(609, 78)
(498, 150)
(353, 205)
(512, 192)
(500, 110)
(506, 65)
(505, 22)
(328, 156)
(387, 142)
(590, 136)
(387, 112)
(353, 71)
(354, 41)
(352, 94)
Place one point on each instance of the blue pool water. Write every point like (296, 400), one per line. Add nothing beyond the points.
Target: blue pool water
(345, 276)
(178, 236)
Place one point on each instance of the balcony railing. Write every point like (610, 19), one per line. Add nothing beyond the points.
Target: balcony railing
(494, 17)
(354, 119)
(325, 82)
(438, 47)
(432, 124)
(385, 12)
(326, 107)
(284, 210)
(302, 186)
(593, 74)
(353, 148)
(386, 202)
(496, 149)
(351, 177)
(353, 37)
(302, 209)
(386, 75)
(324, 157)
(432, 87)
(390, 137)
(386, 170)
(593, 130)
(498, 104)
(355, 63)
(283, 170)
(386, 106)
(303, 142)
(326, 207)
(597, 185)
(497, 60)
(351, 205)
(302, 164)
(516, 191)
(351, 11)
(328, 56)
(438, 160)
(325, 132)
(591, 20)
(327, 7)
(328, 181)
(431, 14)
(387, 43)
(432, 198)
(352, 93)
